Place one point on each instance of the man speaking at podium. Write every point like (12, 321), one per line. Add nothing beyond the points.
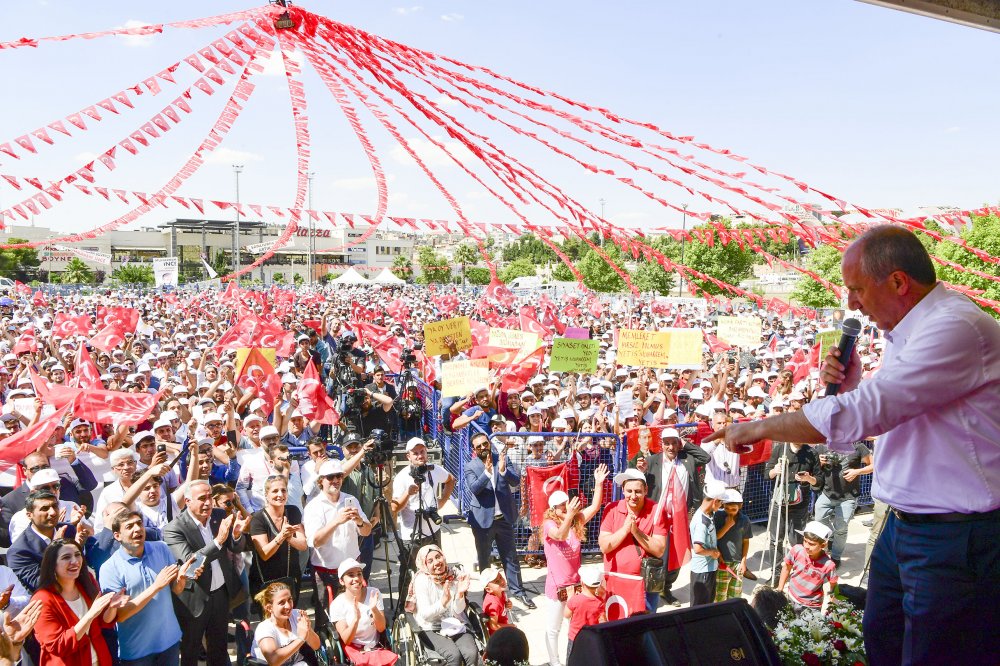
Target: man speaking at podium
(934, 587)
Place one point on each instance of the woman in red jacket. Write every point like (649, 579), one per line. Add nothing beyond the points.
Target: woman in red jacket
(73, 610)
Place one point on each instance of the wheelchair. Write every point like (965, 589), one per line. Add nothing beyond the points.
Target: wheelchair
(415, 649)
(330, 650)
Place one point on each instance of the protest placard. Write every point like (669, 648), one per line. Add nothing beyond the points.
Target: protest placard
(671, 348)
(577, 333)
(457, 328)
(625, 403)
(464, 377)
(827, 339)
(740, 331)
(514, 339)
(574, 355)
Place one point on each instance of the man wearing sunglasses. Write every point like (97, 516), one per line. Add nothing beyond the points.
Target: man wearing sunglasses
(73, 488)
(333, 522)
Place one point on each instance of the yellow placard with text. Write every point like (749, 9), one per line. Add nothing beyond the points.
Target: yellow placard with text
(464, 377)
(513, 339)
(671, 348)
(435, 332)
(740, 331)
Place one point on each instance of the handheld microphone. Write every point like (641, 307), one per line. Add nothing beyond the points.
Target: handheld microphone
(849, 330)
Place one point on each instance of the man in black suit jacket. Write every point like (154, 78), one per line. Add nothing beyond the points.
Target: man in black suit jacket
(687, 457)
(71, 489)
(25, 555)
(204, 604)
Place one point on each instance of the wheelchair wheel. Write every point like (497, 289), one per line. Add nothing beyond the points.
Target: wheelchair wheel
(405, 643)
(478, 625)
(330, 650)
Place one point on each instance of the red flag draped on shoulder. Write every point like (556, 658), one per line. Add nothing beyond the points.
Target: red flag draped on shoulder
(258, 374)
(15, 447)
(314, 403)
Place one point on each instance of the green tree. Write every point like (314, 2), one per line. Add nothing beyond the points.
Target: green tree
(562, 273)
(278, 278)
(729, 263)
(433, 266)
(531, 248)
(298, 280)
(515, 269)
(19, 264)
(221, 264)
(134, 274)
(77, 272)
(650, 276)
(985, 235)
(598, 274)
(825, 262)
(402, 267)
(478, 275)
(466, 254)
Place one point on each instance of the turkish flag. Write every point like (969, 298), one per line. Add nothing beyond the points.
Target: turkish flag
(87, 376)
(480, 332)
(772, 344)
(26, 342)
(108, 338)
(427, 366)
(21, 288)
(314, 324)
(398, 310)
(114, 406)
(125, 318)
(252, 331)
(258, 374)
(626, 596)
(811, 363)
(232, 292)
(39, 301)
(66, 325)
(516, 378)
(18, 445)
(369, 333)
(500, 293)
(595, 307)
(314, 403)
(715, 345)
(388, 351)
(542, 482)
(532, 325)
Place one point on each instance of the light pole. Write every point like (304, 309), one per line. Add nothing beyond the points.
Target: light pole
(310, 242)
(237, 169)
(684, 226)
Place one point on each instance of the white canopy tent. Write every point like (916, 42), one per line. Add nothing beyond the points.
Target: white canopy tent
(387, 277)
(351, 276)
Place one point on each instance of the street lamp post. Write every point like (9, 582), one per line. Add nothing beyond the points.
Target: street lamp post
(311, 241)
(684, 226)
(237, 169)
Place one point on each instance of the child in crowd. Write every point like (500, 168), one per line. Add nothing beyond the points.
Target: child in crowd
(586, 606)
(495, 601)
(733, 531)
(807, 567)
(705, 553)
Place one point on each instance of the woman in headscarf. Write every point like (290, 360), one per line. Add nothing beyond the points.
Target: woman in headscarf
(439, 593)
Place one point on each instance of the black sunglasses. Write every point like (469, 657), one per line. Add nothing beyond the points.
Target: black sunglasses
(333, 477)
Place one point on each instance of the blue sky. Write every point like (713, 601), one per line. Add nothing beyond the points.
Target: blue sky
(879, 107)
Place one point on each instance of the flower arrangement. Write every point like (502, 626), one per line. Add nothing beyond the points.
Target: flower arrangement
(816, 638)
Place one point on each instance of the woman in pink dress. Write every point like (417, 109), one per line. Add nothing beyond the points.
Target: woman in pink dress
(564, 528)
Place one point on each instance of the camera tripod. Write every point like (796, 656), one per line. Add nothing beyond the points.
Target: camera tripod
(779, 506)
(407, 385)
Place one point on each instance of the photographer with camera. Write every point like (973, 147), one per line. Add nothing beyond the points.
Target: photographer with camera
(372, 413)
(415, 500)
(361, 465)
(840, 481)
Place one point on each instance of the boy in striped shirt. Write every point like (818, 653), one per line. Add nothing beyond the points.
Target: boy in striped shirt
(807, 568)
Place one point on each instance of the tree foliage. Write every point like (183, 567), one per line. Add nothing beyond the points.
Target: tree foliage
(478, 275)
(530, 248)
(562, 273)
(729, 263)
(134, 273)
(650, 276)
(77, 272)
(19, 264)
(984, 233)
(515, 269)
(598, 274)
(433, 266)
(465, 255)
(402, 267)
(825, 262)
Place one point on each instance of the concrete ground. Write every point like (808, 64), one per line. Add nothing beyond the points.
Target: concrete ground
(458, 545)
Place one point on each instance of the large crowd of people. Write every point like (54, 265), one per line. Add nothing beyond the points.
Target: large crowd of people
(137, 539)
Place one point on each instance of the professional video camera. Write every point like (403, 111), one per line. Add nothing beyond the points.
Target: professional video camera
(382, 452)
(407, 358)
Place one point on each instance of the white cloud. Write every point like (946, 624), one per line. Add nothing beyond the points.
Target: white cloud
(430, 154)
(231, 156)
(445, 102)
(452, 17)
(406, 11)
(275, 66)
(135, 40)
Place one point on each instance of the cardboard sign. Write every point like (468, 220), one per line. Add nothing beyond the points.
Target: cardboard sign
(671, 348)
(464, 377)
(827, 340)
(740, 331)
(457, 328)
(577, 333)
(512, 339)
(574, 355)
(626, 404)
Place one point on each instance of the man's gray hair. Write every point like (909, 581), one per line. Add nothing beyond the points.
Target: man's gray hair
(189, 491)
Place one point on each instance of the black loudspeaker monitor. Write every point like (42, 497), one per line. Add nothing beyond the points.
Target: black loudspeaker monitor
(719, 634)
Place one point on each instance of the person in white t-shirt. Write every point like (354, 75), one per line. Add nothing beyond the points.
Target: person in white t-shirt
(359, 617)
(279, 638)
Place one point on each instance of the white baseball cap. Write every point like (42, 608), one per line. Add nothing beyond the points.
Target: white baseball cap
(631, 474)
(818, 529)
(557, 498)
(330, 467)
(269, 431)
(347, 565)
(414, 442)
(716, 490)
(591, 575)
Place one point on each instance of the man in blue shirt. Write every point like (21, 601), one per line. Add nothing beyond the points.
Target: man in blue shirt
(148, 632)
(705, 545)
(479, 414)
